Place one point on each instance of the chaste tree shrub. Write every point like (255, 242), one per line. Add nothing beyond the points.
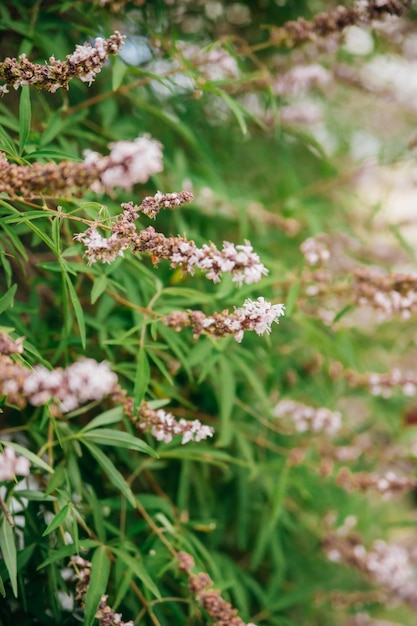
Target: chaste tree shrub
(208, 297)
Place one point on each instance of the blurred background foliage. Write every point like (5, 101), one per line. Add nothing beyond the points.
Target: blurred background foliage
(254, 505)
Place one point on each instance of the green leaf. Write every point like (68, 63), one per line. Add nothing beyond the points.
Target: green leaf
(15, 240)
(6, 267)
(111, 471)
(66, 551)
(191, 296)
(104, 419)
(56, 481)
(6, 301)
(226, 394)
(2, 589)
(292, 296)
(36, 496)
(142, 378)
(8, 549)
(57, 124)
(99, 287)
(59, 155)
(202, 454)
(110, 437)
(100, 571)
(35, 460)
(268, 529)
(138, 569)
(405, 245)
(57, 521)
(118, 72)
(343, 312)
(6, 143)
(236, 108)
(24, 117)
(242, 362)
(78, 310)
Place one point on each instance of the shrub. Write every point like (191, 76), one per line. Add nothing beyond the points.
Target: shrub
(176, 179)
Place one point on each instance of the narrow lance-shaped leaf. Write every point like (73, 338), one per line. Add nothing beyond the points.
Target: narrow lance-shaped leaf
(142, 378)
(110, 437)
(57, 521)
(6, 143)
(24, 117)
(8, 549)
(104, 419)
(112, 472)
(226, 395)
(79, 313)
(33, 458)
(6, 301)
(138, 570)
(100, 570)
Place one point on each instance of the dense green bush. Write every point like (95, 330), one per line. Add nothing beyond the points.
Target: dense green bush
(175, 177)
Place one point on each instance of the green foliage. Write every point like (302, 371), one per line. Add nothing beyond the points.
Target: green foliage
(258, 505)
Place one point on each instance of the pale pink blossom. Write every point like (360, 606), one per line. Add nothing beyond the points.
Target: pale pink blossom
(300, 79)
(128, 163)
(214, 63)
(11, 465)
(307, 418)
(83, 381)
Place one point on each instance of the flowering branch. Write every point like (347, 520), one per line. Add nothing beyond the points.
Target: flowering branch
(84, 63)
(255, 315)
(128, 163)
(386, 565)
(391, 294)
(387, 485)
(151, 205)
(84, 381)
(307, 418)
(240, 261)
(384, 383)
(335, 21)
(163, 426)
